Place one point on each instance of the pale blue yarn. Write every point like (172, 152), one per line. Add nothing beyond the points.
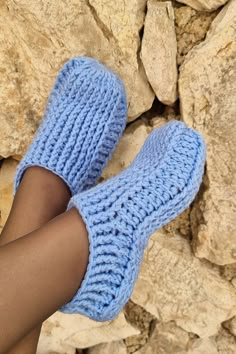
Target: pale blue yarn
(121, 214)
(84, 119)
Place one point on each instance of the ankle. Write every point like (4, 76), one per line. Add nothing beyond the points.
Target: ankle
(42, 191)
(51, 187)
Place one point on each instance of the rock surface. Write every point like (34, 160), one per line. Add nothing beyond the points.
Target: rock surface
(207, 95)
(37, 38)
(143, 321)
(159, 50)
(191, 28)
(66, 332)
(7, 173)
(110, 348)
(186, 290)
(203, 5)
(167, 338)
(203, 346)
(226, 343)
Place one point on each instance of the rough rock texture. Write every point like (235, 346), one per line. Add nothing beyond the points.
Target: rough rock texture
(186, 290)
(231, 326)
(159, 50)
(167, 338)
(143, 321)
(7, 172)
(226, 343)
(110, 348)
(229, 273)
(65, 332)
(207, 94)
(204, 5)
(36, 38)
(203, 346)
(191, 28)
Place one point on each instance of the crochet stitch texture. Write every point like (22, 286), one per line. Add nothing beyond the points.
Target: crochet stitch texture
(84, 119)
(121, 214)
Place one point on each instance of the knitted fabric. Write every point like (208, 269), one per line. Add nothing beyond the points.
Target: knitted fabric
(121, 214)
(84, 119)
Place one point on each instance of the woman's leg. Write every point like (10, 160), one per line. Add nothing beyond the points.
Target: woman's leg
(41, 196)
(49, 265)
(83, 122)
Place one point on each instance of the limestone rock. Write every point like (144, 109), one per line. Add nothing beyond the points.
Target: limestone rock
(109, 348)
(226, 343)
(175, 286)
(36, 38)
(7, 173)
(207, 95)
(62, 331)
(229, 271)
(159, 50)
(203, 5)
(191, 28)
(203, 346)
(181, 225)
(231, 326)
(143, 321)
(167, 338)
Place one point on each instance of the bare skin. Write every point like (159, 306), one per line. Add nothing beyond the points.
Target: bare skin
(57, 253)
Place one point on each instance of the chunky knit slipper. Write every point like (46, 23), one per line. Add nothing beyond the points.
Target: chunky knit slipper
(84, 119)
(121, 214)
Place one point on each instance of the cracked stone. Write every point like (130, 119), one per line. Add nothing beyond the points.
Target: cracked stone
(203, 5)
(38, 37)
(62, 333)
(109, 348)
(159, 50)
(173, 285)
(207, 98)
(191, 28)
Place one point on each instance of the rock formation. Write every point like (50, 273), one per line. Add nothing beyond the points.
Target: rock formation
(177, 60)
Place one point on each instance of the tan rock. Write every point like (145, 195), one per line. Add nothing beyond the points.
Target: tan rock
(229, 271)
(109, 348)
(226, 343)
(143, 321)
(174, 285)
(7, 173)
(207, 95)
(203, 5)
(62, 331)
(203, 346)
(231, 326)
(159, 50)
(167, 338)
(36, 38)
(191, 28)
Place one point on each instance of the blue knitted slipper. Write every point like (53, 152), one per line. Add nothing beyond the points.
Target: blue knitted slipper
(84, 119)
(122, 213)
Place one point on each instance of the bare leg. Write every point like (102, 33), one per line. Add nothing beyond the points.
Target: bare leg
(41, 196)
(49, 265)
